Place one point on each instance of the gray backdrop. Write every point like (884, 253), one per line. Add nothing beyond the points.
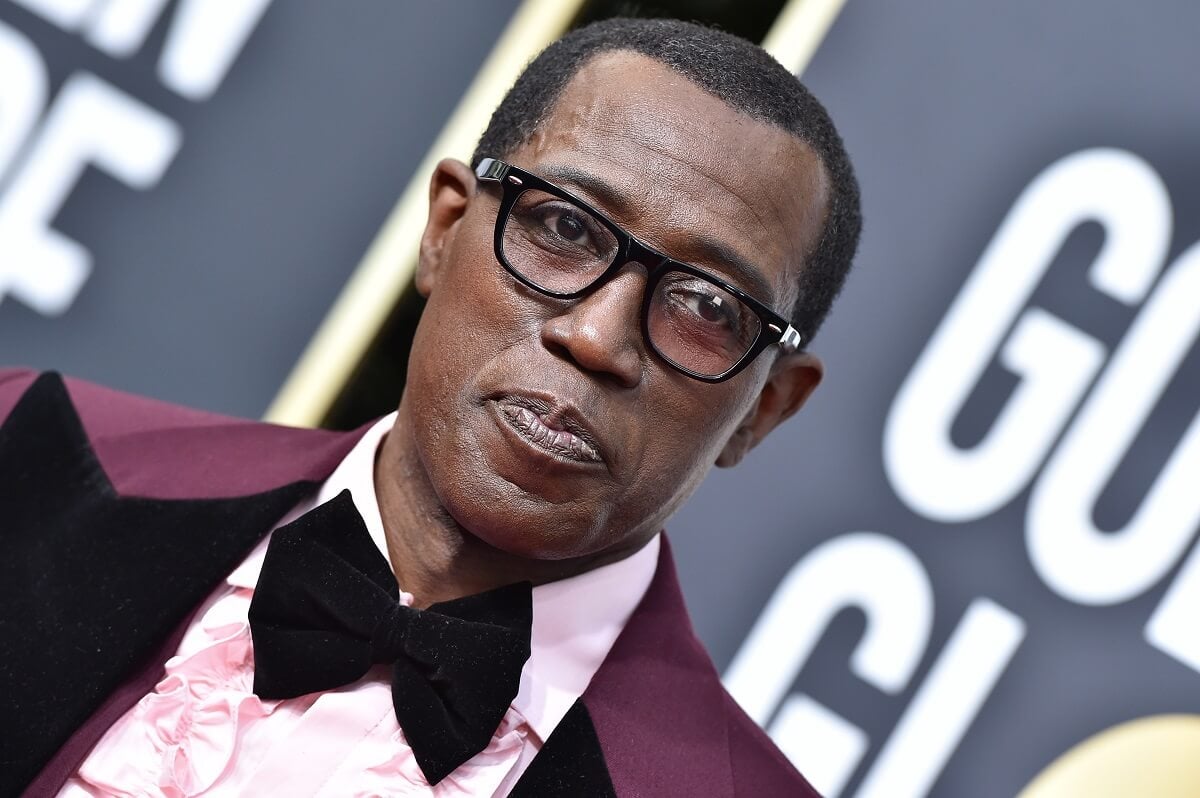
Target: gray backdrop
(206, 287)
(951, 110)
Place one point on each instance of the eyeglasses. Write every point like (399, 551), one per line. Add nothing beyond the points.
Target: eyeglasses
(562, 247)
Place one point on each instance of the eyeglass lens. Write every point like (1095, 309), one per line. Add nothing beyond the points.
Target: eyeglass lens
(561, 248)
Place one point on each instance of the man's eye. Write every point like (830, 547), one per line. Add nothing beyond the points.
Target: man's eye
(709, 307)
(712, 308)
(570, 227)
(567, 225)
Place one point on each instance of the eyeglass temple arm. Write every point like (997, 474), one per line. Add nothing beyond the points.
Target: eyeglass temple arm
(491, 169)
(789, 339)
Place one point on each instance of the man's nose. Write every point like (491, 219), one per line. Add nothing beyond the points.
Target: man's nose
(601, 332)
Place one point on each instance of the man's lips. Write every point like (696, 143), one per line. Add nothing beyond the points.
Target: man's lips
(554, 428)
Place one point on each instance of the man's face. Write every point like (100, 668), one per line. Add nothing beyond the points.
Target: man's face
(504, 384)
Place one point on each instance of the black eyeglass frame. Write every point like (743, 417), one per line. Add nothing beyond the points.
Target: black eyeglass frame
(514, 181)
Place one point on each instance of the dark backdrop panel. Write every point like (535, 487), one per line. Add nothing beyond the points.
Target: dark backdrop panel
(205, 287)
(951, 111)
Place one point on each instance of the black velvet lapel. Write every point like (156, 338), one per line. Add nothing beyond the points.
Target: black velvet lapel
(91, 581)
(570, 764)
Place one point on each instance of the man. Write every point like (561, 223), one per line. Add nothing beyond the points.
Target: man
(620, 294)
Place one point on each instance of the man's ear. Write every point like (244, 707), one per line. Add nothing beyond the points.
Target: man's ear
(793, 378)
(450, 190)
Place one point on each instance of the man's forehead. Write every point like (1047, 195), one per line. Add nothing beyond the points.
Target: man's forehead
(622, 95)
(682, 159)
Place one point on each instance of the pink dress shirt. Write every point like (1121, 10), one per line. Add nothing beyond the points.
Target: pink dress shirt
(203, 732)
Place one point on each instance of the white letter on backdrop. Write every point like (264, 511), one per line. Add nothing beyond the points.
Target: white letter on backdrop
(1056, 363)
(948, 700)
(865, 570)
(1172, 627)
(66, 14)
(203, 42)
(23, 87)
(91, 122)
(1079, 561)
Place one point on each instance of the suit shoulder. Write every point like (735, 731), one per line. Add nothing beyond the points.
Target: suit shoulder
(759, 767)
(107, 412)
(157, 449)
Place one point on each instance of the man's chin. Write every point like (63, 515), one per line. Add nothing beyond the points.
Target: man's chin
(542, 534)
(511, 495)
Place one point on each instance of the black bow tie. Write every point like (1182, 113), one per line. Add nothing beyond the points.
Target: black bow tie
(326, 608)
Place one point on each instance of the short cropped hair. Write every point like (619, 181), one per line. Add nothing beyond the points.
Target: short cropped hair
(734, 70)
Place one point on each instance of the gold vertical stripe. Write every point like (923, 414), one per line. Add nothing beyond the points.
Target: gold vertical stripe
(386, 269)
(799, 30)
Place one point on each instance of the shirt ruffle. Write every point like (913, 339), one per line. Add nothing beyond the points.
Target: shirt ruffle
(394, 769)
(202, 731)
(179, 740)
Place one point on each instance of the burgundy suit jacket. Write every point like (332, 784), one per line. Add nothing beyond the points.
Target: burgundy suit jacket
(664, 723)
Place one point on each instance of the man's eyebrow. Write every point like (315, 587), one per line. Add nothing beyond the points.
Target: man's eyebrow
(609, 195)
(743, 272)
(709, 249)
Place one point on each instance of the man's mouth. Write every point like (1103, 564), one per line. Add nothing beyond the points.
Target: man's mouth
(550, 430)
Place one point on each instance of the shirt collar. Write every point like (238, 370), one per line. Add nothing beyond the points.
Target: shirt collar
(356, 473)
(575, 620)
(575, 623)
